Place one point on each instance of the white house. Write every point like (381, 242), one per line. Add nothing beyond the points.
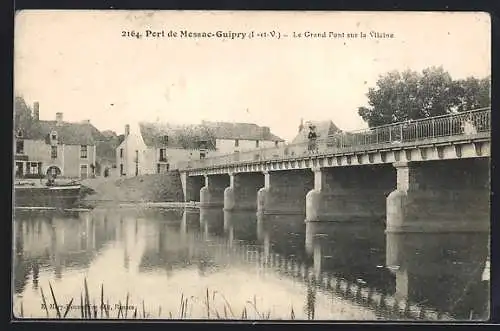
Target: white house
(157, 148)
(237, 137)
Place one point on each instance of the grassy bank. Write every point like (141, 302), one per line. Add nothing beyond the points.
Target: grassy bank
(146, 188)
(214, 304)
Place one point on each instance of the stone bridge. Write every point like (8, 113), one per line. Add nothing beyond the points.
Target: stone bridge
(429, 175)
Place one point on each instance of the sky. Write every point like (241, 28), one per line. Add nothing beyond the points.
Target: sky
(78, 63)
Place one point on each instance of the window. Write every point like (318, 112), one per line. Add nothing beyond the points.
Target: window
(276, 143)
(53, 152)
(53, 135)
(236, 143)
(202, 155)
(83, 151)
(34, 168)
(163, 154)
(158, 168)
(121, 153)
(164, 139)
(19, 146)
(20, 133)
(257, 144)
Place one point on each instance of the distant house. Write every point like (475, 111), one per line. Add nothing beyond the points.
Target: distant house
(236, 137)
(63, 148)
(158, 148)
(323, 129)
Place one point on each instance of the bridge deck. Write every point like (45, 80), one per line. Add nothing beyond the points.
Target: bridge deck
(471, 126)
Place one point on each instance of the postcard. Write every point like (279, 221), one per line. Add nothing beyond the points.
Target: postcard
(251, 165)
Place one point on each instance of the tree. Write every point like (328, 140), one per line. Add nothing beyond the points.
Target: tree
(411, 95)
(194, 136)
(472, 93)
(23, 118)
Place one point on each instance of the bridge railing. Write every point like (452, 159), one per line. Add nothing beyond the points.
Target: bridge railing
(457, 124)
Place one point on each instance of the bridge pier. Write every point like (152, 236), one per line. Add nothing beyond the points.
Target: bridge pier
(284, 192)
(191, 186)
(241, 194)
(212, 194)
(349, 194)
(442, 197)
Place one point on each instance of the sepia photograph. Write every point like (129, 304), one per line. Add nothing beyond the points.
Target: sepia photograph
(251, 165)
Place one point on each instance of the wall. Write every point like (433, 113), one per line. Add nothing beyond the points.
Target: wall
(226, 146)
(72, 160)
(176, 155)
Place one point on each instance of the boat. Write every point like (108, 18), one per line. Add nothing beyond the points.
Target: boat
(50, 195)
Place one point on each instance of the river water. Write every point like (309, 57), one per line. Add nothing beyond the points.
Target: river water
(199, 264)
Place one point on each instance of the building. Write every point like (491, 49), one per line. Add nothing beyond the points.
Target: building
(63, 148)
(237, 137)
(157, 148)
(323, 129)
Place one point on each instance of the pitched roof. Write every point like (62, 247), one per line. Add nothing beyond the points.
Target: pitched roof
(68, 133)
(243, 131)
(179, 136)
(323, 130)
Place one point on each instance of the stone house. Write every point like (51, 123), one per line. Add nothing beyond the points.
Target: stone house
(64, 148)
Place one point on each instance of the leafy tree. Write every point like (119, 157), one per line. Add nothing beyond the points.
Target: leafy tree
(195, 136)
(411, 95)
(472, 93)
(23, 118)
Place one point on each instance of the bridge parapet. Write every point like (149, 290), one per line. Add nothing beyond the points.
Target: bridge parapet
(439, 129)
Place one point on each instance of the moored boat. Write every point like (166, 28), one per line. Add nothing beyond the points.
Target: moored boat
(32, 194)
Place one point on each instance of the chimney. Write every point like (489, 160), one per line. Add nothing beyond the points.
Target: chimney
(86, 122)
(127, 129)
(36, 111)
(59, 118)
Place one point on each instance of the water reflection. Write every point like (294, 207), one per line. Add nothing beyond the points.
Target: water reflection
(159, 255)
(442, 270)
(211, 221)
(240, 225)
(53, 242)
(354, 251)
(283, 234)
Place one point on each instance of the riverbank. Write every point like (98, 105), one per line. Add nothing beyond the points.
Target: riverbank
(158, 190)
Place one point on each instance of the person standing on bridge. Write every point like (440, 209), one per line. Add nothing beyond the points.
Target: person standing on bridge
(312, 137)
